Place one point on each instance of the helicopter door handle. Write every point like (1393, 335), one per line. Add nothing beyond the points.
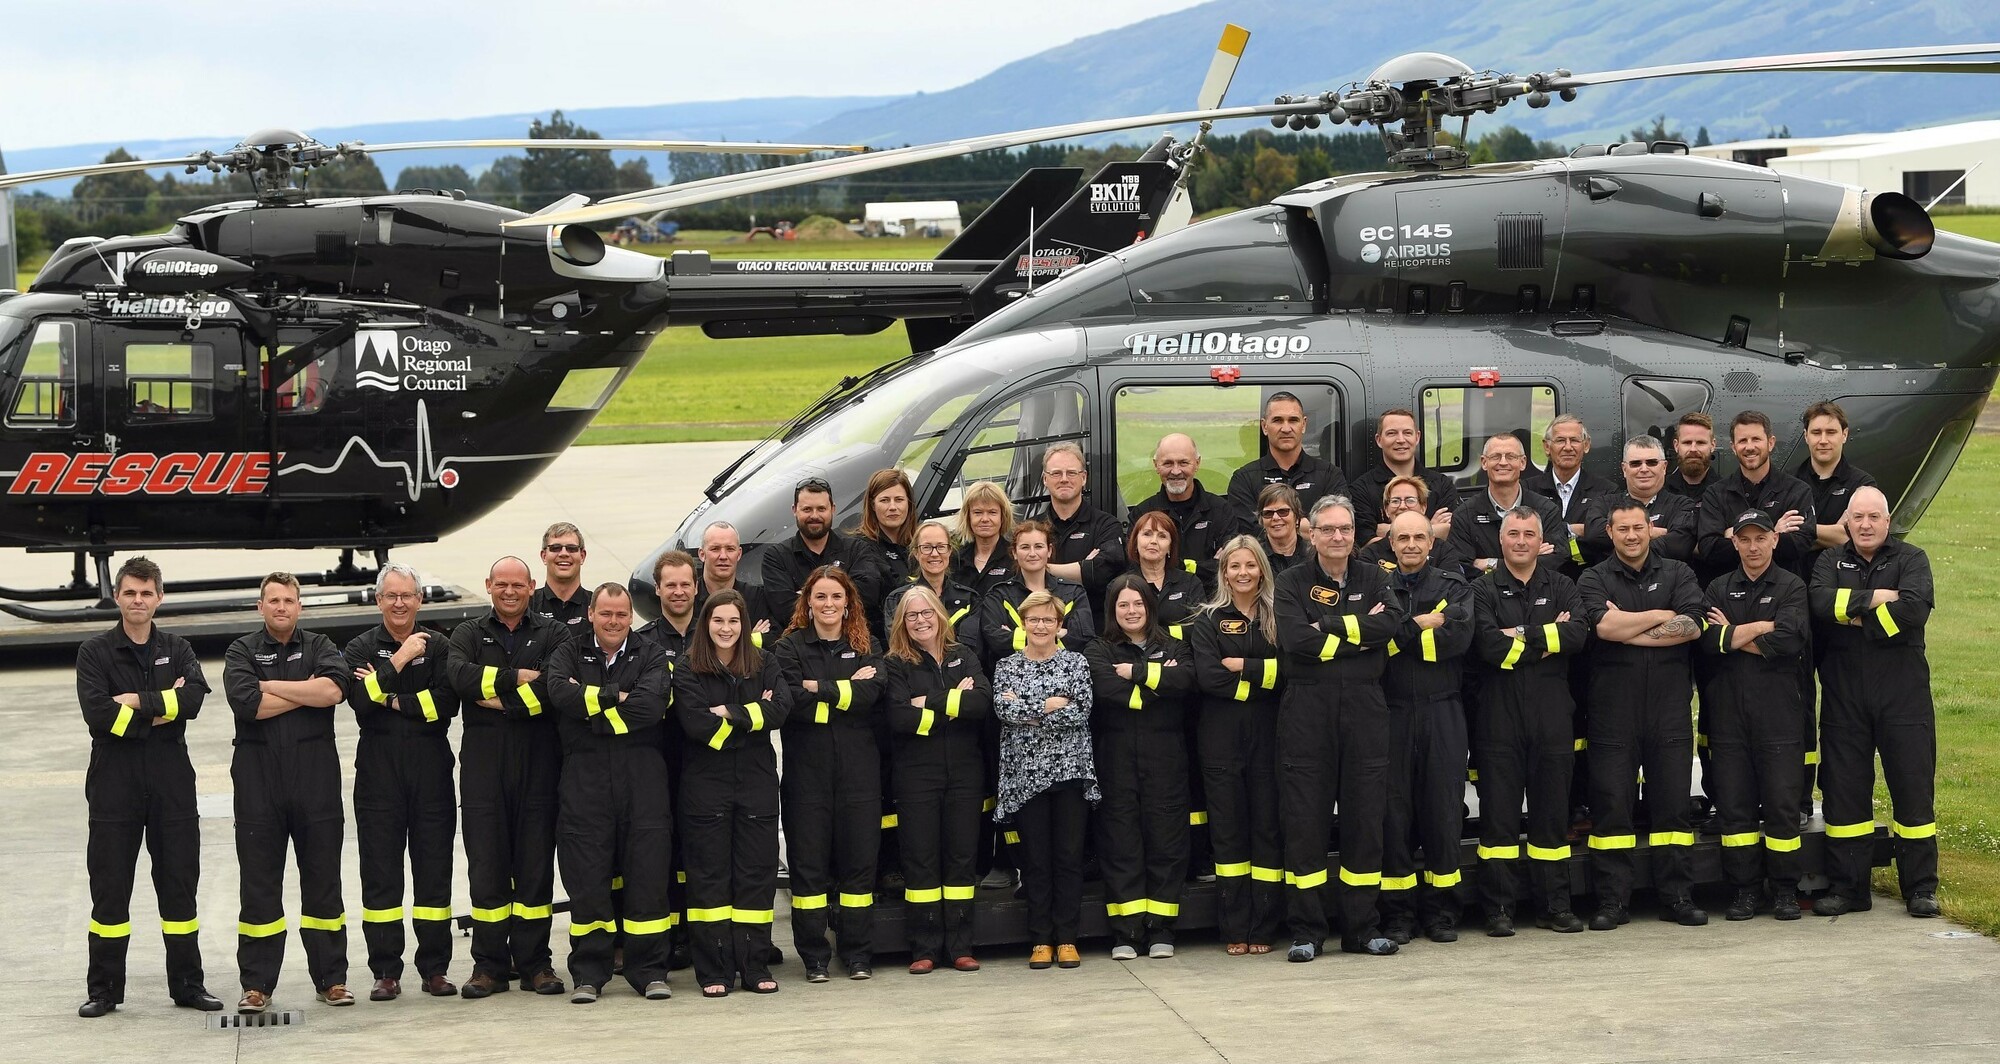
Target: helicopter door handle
(1603, 188)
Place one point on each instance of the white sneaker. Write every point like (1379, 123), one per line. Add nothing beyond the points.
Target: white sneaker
(657, 990)
(584, 994)
(1124, 953)
(1160, 950)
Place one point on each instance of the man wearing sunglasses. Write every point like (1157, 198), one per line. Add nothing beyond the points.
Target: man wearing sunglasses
(1671, 516)
(562, 598)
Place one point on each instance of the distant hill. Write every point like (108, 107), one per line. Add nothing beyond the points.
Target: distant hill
(1157, 64)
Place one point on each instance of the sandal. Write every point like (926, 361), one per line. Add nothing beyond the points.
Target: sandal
(1259, 948)
(1236, 949)
(715, 990)
(763, 986)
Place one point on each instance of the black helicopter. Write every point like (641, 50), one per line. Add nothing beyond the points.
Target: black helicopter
(1626, 283)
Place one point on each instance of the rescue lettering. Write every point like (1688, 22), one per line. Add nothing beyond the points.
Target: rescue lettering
(183, 472)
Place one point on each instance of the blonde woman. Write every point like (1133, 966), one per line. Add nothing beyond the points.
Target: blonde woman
(985, 533)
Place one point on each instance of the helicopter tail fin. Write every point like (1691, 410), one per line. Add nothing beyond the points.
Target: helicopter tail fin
(1117, 208)
(996, 234)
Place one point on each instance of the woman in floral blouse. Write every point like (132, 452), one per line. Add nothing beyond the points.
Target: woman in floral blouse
(1047, 779)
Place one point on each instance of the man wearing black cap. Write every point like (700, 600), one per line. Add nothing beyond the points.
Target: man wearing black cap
(1754, 639)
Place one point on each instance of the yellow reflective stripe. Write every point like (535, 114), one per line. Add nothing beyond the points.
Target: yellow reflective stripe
(428, 703)
(1553, 636)
(1499, 853)
(1013, 838)
(1328, 649)
(528, 699)
(1360, 879)
(1175, 630)
(1841, 598)
(249, 930)
(1670, 838)
(1136, 907)
(170, 705)
(123, 722)
(923, 897)
(489, 682)
(1721, 637)
(719, 915)
(822, 713)
(1242, 691)
(1232, 869)
(1613, 842)
(617, 882)
(856, 901)
(1429, 641)
(1743, 838)
(1353, 625)
(430, 912)
(617, 719)
(1471, 774)
(1408, 882)
(532, 912)
(1575, 551)
(179, 927)
(753, 916)
(925, 721)
(1781, 845)
(1443, 881)
(1393, 649)
(989, 805)
(1514, 653)
(1309, 881)
(757, 640)
(1270, 673)
(1188, 564)
(1888, 622)
(1812, 757)
(1163, 908)
(1138, 700)
(1260, 874)
(952, 699)
(1153, 669)
(755, 711)
(808, 901)
(889, 820)
(492, 916)
(1020, 638)
(124, 930)
(382, 916)
(1548, 853)
(1197, 818)
(960, 893)
(1913, 831)
(649, 927)
(1579, 744)
(722, 730)
(580, 930)
(373, 685)
(322, 923)
(846, 689)
(592, 706)
(960, 615)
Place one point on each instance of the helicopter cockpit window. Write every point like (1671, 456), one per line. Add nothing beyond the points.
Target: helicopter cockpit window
(1246, 258)
(1223, 422)
(1457, 422)
(169, 382)
(45, 396)
(306, 391)
(1654, 404)
(1011, 441)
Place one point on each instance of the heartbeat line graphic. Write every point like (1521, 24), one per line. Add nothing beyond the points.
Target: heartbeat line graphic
(428, 466)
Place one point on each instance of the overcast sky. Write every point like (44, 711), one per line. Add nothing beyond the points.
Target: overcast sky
(82, 71)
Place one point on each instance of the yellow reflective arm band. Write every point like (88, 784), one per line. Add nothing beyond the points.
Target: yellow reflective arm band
(1353, 624)
(924, 722)
(170, 705)
(618, 725)
(1575, 550)
(1020, 638)
(846, 689)
(429, 703)
(529, 699)
(755, 711)
(1242, 691)
(722, 730)
(1888, 623)
(1188, 564)
(591, 705)
(1722, 638)
(1514, 653)
(1328, 649)
(1197, 818)
(1394, 649)
(952, 698)
(822, 712)
(1153, 675)
(1270, 673)
(1137, 701)
(1430, 644)
(123, 722)
(1841, 597)
(373, 685)
(489, 682)
(1553, 636)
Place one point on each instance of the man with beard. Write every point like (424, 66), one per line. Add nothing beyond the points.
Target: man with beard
(1400, 440)
(721, 553)
(1284, 427)
(1694, 456)
(789, 562)
(1203, 518)
(562, 597)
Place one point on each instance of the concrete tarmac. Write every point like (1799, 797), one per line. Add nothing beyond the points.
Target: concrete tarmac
(1874, 986)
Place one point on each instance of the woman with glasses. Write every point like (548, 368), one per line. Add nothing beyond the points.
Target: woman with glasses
(1000, 629)
(985, 524)
(1399, 496)
(887, 525)
(1153, 551)
(1048, 779)
(938, 703)
(1235, 647)
(1278, 514)
(728, 697)
(1140, 677)
(832, 781)
(932, 550)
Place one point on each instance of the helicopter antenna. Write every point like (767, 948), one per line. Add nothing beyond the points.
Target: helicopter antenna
(1031, 251)
(1939, 198)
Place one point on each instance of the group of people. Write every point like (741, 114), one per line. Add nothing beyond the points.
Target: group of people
(1196, 689)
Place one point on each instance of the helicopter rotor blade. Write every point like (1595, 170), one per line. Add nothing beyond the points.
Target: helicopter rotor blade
(67, 172)
(718, 147)
(716, 188)
(1221, 70)
(1763, 64)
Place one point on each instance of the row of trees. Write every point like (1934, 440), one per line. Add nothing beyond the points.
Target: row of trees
(1233, 171)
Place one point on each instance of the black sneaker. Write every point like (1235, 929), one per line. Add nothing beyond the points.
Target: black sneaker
(1400, 928)
(1839, 905)
(1609, 917)
(1683, 912)
(1744, 907)
(1301, 952)
(1923, 904)
(1500, 924)
(1562, 921)
(1443, 928)
(1785, 906)
(816, 974)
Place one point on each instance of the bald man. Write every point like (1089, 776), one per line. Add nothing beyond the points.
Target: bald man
(510, 762)
(1204, 518)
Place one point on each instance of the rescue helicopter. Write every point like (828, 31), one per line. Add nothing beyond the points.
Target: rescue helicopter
(1627, 283)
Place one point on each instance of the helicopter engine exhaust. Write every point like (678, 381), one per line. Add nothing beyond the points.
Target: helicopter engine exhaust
(578, 245)
(578, 251)
(1896, 225)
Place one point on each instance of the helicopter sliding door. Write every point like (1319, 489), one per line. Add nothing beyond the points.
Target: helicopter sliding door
(1457, 420)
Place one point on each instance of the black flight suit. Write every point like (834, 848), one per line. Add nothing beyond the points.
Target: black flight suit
(759, 604)
(999, 567)
(895, 561)
(1678, 485)
(1236, 741)
(1522, 737)
(673, 748)
(1753, 744)
(140, 788)
(1178, 599)
(940, 793)
(1367, 492)
(510, 765)
(1877, 685)
(961, 605)
(1139, 742)
(404, 797)
(787, 564)
(1333, 742)
(572, 613)
(1475, 532)
(1427, 742)
(286, 774)
(1000, 630)
(1088, 529)
(1676, 513)
(833, 794)
(1640, 728)
(616, 817)
(1830, 498)
(1301, 551)
(1205, 521)
(1309, 476)
(729, 809)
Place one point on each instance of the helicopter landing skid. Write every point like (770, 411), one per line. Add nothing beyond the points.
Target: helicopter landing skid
(346, 573)
(339, 613)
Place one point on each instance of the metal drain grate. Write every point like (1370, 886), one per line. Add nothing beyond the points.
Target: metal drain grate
(233, 1021)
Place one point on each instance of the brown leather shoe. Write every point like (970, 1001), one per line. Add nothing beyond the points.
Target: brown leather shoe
(253, 1001)
(385, 989)
(1067, 956)
(337, 994)
(966, 964)
(1041, 957)
(439, 986)
(545, 982)
(483, 985)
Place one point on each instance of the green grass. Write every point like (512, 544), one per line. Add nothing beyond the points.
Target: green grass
(1983, 226)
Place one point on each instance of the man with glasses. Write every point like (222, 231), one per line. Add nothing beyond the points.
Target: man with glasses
(1400, 440)
(1672, 517)
(1087, 545)
(1284, 426)
(788, 562)
(1475, 526)
(403, 792)
(562, 598)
